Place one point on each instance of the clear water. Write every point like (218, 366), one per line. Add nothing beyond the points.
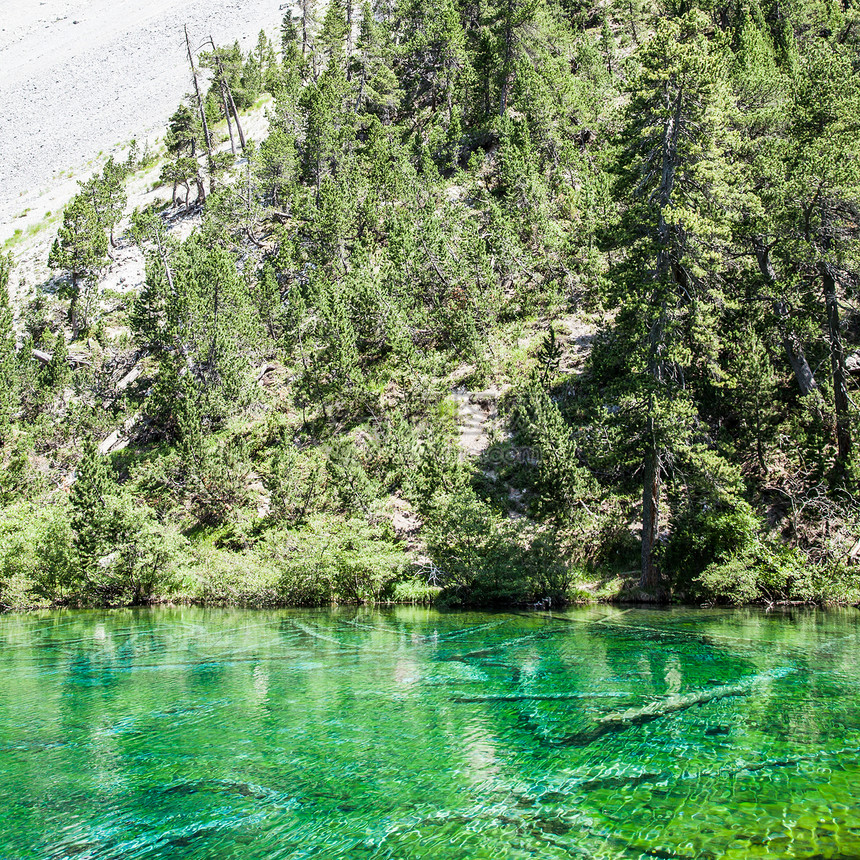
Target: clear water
(408, 733)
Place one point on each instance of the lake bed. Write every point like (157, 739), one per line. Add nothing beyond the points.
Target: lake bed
(407, 732)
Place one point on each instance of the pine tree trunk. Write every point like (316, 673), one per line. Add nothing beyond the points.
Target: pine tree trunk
(348, 39)
(227, 115)
(666, 269)
(793, 351)
(837, 363)
(650, 579)
(305, 24)
(506, 64)
(235, 116)
(206, 137)
(633, 23)
(73, 306)
(651, 467)
(201, 191)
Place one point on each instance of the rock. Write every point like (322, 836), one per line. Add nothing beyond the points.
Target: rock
(106, 445)
(130, 377)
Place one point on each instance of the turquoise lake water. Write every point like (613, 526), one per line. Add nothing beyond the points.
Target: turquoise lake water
(409, 733)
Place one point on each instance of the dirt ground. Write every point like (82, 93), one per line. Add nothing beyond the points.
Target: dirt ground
(80, 78)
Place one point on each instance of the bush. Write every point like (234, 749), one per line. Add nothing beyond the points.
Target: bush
(763, 572)
(489, 560)
(144, 559)
(135, 559)
(220, 576)
(336, 561)
(709, 533)
(36, 554)
(720, 553)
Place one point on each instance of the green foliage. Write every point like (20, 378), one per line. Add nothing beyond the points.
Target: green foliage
(295, 482)
(562, 486)
(194, 315)
(762, 573)
(336, 561)
(25, 539)
(81, 249)
(143, 560)
(106, 192)
(8, 362)
(87, 499)
(488, 560)
(445, 188)
(722, 553)
(549, 357)
(130, 559)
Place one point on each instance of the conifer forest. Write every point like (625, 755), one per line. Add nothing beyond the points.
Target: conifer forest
(505, 303)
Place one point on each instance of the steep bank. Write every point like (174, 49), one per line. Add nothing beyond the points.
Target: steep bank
(83, 77)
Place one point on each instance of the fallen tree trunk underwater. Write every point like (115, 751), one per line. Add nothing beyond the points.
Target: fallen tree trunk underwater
(620, 721)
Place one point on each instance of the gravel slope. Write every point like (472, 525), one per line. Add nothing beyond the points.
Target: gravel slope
(80, 77)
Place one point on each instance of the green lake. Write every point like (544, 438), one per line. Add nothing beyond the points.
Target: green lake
(411, 733)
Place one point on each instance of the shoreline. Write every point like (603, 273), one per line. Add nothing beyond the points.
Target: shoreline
(429, 604)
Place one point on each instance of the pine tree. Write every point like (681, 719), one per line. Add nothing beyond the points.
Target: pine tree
(378, 87)
(511, 26)
(194, 315)
(333, 34)
(675, 170)
(81, 248)
(823, 185)
(8, 360)
(762, 92)
(328, 127)
(87, 499)
(307, 24)
(106, 192)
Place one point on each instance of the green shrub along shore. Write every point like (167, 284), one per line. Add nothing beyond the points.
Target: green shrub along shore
(517, 303)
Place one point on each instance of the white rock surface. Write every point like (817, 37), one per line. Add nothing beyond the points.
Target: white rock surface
(83, 77)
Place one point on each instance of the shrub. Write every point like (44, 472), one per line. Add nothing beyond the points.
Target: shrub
(720, 553)
(336, 561)
(710, 532)
(765, 571)
(144, 559)
(490, 560)
(230, 577)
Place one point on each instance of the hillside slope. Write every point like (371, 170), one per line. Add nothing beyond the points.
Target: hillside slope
(518, 303)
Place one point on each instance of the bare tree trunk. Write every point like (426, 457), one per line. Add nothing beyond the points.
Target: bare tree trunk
(227, 100)
(837, 363)
(506, 65)
(348, 39)
(793, 350)
(226, 107)
(236, 117)
(200, 108)
(650, 579)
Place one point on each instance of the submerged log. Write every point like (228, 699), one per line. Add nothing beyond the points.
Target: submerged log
(664, 707)
(536, 697)
(622, 720)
